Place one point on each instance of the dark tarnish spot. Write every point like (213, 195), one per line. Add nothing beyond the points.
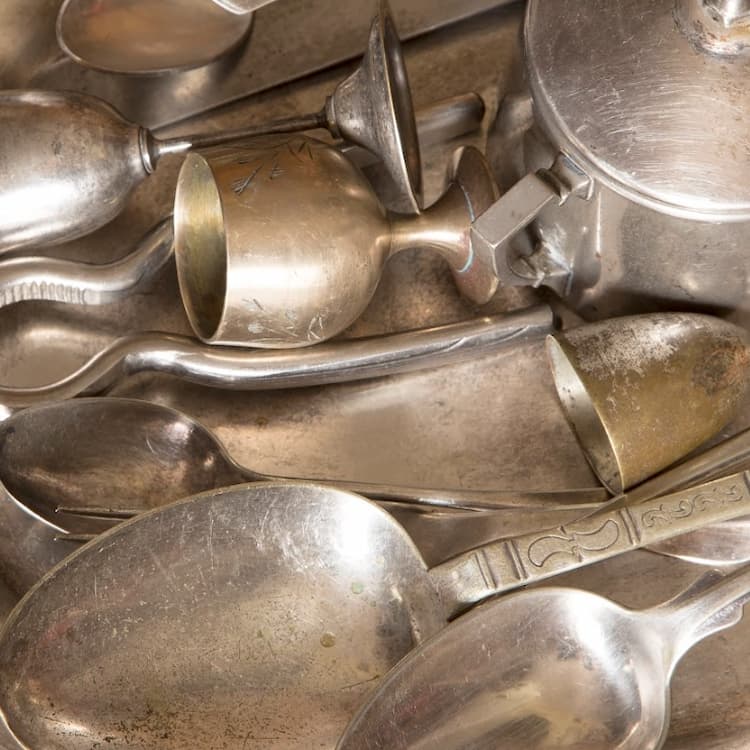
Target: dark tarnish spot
(725, 367)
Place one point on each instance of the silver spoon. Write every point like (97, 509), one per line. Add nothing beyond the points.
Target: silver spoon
(125, 454)
(236, 368)
(583, 673)
(74, 159)
(79, 480)
(264, 613)
(443, 523)
(430, 516)
(143, 37)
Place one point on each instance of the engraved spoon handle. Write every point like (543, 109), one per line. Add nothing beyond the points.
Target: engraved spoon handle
(505, 565)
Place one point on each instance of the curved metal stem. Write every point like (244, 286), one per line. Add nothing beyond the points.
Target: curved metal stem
(54, 280)
(241, 369)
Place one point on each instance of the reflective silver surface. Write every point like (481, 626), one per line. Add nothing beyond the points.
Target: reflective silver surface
(288, 42)
(271, 632)
(143, 37)
(654, 120)
(53, 280)
(75, 159)
(551, 668)
(281, 242)
(473, 425)
(284, 604)
(234, 368)
(242, 6)
(623, 91)
(110, 458)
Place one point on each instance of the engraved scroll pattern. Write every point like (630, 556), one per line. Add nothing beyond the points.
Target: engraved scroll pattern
(666, 513)
(574, 544)
(619, 531)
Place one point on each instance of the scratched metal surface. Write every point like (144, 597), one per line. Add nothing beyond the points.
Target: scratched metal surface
(490, 423)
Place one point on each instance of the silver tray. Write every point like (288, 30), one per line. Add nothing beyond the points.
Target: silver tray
(494, 422)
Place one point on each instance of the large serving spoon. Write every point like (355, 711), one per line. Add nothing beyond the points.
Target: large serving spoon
(582, 673)
(263, 614)
(74, 159)
(104, 457)
(143, 37)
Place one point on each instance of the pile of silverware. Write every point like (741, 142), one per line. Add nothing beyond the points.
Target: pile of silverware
(166, 596)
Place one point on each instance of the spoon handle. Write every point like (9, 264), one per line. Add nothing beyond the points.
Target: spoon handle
(240, 369)
(505, 565)
(54, 280)
(704, 610)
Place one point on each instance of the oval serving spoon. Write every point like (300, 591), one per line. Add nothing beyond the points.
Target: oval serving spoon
(125, 454)
(264, 613)
(583, 673)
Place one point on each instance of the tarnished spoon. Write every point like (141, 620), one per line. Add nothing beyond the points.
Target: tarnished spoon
(105, 457)
(263, 614)
(581, 672)
(443, 523)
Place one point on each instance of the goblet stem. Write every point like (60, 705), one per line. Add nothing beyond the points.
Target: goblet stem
(442, 227)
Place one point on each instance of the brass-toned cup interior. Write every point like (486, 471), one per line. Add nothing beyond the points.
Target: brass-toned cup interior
(400, 91)
(583, 417)
(200, 246)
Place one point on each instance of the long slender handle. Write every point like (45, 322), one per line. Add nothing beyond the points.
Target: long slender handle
(436, 123)
(53, 280)
(506, 565)
(564, 502)
(247, 370)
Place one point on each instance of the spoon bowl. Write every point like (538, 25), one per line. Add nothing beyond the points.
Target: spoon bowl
(259, 643)
(267, 611)
(142, 37)
(585, 674)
